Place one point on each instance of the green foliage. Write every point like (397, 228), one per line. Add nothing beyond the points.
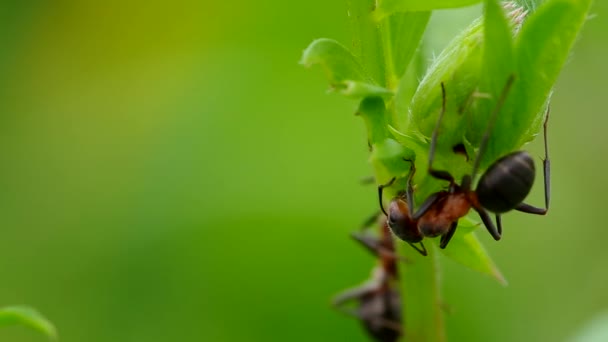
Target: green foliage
(465, 248)
(474, 67)
(28, 317)
(541, 51)
(406, 30)
(345, 73)
(388, 7)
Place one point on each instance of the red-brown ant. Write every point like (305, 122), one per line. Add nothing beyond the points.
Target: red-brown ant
(379, 302)
(502, 188)
(399, 215)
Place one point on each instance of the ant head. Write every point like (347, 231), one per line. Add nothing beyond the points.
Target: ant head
(400, 222)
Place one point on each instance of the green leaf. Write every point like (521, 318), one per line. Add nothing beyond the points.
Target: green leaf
(387, 7)
(387, 154)
(498, 65)
(344, 72)
(529, 5)
(466, 249)
(367, 43)
(405, 92)
(373, 112)
(28, 317)
(458, 68)
(541, 49)
(406, 30)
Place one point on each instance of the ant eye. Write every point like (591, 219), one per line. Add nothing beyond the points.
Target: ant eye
(391, 220)
(394, 218)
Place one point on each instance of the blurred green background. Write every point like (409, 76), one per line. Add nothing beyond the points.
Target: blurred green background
(170, 173)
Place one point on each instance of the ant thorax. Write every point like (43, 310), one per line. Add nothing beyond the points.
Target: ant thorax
(448, 208)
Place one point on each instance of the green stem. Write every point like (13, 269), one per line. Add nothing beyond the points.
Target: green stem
(420, 282)
(373, 112)
(367, 43)
(391, 79)
(421, 296)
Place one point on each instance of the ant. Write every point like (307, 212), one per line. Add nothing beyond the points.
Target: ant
(400, 218)
(502, 188)
(379, 301)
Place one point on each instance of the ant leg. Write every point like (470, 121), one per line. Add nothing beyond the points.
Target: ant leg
(529, 209)
(388, 324)
(369, 287)
(499, 224)
(439, 174)
(367, 180)
(409, 192)
(445, 239)
(354, 293)
(369, 221)
(373, 245)
(487, 221)
(493, 116)
(526, 208)
(380, 189)
(428, 204)
(384, 323)
(418, 249)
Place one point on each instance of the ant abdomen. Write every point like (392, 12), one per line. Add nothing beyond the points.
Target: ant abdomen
(378, 311)
(506, 183)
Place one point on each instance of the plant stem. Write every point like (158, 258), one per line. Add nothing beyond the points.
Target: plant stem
(420, 282)
(389, 67)
(367, 43)
(421, 296)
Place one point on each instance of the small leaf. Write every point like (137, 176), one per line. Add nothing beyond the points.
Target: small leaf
(498, 66)
(541, 49)
(466, 249)
(28, 317)
(359, 90)
(458, 68)
(387, 156)
(387, 7)
(406, 31)
(344, 72)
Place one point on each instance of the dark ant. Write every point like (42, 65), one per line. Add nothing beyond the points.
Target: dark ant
(502, 188)
(379, 302)
(400, 218)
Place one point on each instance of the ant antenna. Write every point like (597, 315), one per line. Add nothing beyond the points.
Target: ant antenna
(491, 123)
(380, 190)
(435, 131)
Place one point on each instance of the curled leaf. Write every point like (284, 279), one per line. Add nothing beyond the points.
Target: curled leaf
(345, 73)
(29, 317)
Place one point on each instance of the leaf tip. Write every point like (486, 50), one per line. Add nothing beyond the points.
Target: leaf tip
(496, 274)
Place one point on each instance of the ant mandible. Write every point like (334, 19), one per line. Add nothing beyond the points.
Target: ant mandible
(502, 188)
